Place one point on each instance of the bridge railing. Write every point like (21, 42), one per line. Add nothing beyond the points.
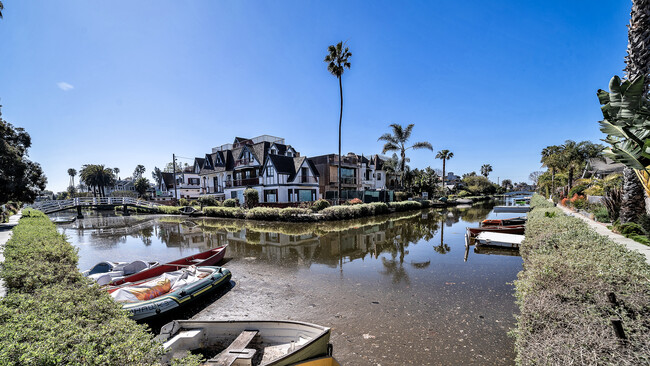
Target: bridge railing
(57, 205)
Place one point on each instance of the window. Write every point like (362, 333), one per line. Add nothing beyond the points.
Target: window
(378, 176)
(271, 195)
(270, 171)
(273, 151)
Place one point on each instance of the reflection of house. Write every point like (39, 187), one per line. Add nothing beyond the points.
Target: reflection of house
(600, 167)
(264, 163)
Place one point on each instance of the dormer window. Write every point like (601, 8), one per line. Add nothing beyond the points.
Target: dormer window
(274, 151)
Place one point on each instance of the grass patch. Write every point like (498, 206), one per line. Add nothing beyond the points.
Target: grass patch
(562, 293)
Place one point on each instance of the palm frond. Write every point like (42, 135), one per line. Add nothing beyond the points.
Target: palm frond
(422, 145)
(389, 138)
(407, 131)
(398, 131)
(389, 146)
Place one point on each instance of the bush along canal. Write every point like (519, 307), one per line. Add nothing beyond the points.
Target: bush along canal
(583, 298)
(395, 289)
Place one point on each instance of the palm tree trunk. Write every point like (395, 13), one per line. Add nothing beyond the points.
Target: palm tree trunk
(443, 175)
(632, 202)
(340, 121)
(403, 166)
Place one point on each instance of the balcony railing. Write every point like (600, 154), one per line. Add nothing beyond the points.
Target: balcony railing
(243, 182)
(212, 190)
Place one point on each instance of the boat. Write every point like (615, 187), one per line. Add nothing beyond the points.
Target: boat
(207, 258)
(160, 294)
(511, 208)
(246, 342)
(64, 220)
(190, 211)
(499, 240)
(511, 229)
(504, 222)
(106, 272)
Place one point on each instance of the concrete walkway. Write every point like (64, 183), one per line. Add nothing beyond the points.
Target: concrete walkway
(601, 229)
(5, 234)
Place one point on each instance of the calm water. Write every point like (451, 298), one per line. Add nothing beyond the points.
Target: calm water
(398, 289)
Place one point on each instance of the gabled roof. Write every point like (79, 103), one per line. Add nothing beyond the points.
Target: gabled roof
(168, 179)
(283, 164)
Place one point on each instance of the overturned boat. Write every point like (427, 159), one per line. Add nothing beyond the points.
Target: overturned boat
(243, 342)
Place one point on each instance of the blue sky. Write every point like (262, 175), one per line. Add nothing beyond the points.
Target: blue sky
(123, 83)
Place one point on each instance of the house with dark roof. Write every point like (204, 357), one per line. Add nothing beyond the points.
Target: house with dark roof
(231, 168)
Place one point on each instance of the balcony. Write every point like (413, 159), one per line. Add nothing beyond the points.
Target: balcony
(345, 180)
(212, 190)
(243, 182)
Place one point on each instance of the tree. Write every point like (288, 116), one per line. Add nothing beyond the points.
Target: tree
(141, 186)
(397, 142)
(486, 169)
(20, 178)
(506, 184)
(1, 9)
(156, 174)
(97, 177)
(534, 176)
(444, 155)
(117, 172)
(138, 171)
(552, 159)
(337, 61)
(72, 172)
(169, 167)
(479, 185)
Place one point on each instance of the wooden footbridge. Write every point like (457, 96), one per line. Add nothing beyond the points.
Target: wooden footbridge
(79, 203)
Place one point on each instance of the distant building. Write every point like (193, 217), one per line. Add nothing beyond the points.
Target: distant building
(600, 167)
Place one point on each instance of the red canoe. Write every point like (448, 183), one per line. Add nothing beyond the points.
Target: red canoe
(504, 222)
(207, 258)
(513, 229)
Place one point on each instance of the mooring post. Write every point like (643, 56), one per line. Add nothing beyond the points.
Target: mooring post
(79, 214)
(125, 210)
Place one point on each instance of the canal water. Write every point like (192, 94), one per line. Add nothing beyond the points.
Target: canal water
(399, 289)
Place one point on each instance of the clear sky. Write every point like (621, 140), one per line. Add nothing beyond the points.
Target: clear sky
(123, 83)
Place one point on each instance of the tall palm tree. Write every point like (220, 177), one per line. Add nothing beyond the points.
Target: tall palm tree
(337, 61)
(444, 155)
(98, 177)
(397, 142)
(551, 158)
(117, 172)
(72, 172)
(486, 169)
(1, 8)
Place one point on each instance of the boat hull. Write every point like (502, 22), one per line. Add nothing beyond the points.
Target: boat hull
(187, 335)
(504, 222)
(515, 229)
(207, 258)
(182, 296)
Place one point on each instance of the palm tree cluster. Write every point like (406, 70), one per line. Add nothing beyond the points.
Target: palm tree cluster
(568, 158)
(97, 177)
(397, 141)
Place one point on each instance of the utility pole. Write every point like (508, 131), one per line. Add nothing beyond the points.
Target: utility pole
(174, 163)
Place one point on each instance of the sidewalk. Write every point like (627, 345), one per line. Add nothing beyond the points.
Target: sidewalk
(5, 234)
(603, 230)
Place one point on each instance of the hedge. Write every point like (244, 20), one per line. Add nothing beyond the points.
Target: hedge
(564, 295)
(52, 315)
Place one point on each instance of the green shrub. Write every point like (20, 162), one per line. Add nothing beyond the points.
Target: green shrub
(251, 197)
(464, 193)
(210, 201)
(639, 238)
(563, 294)
(225, 212)
(321, 204)
(594, 191)
(296, 214)
(630, 228)
(601, 214)
(263, 213)
(401, 196)
(183, 202)
(406, 206)
(45, 321)
(230, 202)
(169, 210)
(379, 208)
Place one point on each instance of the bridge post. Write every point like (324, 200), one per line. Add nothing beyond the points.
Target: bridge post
(79, 214)
(125, 210)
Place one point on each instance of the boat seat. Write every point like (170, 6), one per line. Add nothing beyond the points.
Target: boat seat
(236, 354)
(197, 260)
